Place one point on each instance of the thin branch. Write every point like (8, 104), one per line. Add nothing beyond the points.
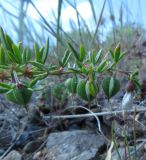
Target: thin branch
(90, 115)
(98, 24)
(8, 12)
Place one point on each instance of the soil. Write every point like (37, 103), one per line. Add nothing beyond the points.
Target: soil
(27, 131)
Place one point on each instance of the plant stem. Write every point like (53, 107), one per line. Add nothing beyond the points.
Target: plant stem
(134, 134)
(114, 140)
(121, 71)
(127, 145)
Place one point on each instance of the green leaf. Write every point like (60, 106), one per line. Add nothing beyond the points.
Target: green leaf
(71, 84)
(28, 54)
(102, 66)
(24, 56)
(41, 53)
(112, 54)
(135, 73)
(136, 82)
(2, 38)
(81, 89)
(45, 52)
(6, 40)
(79, 64)
(17, 53)
(12, 57)
(82, 53)
(4, 67)
(37, 53)
(98, 56)
(15, 96)
(34, 81)
(38, 78)
(19, 96)
(114, 86)
(3, 60)
(105, 86)
(3, 90)
(6, 85)
(39, 65)
(122, 55)
(92, 57)
(74, 70)
(60, 63)
(9, 42)
(51, 68)
(110, 86)
(65, 58)
(76, 54)
(91, 89)
(117, 53)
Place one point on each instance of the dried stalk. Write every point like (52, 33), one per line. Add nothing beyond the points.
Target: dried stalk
(142, 109)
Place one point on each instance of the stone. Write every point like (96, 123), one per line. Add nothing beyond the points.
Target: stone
(73, 127)
(2, 152)
(13, 155)
(4, 139)
(74, 145)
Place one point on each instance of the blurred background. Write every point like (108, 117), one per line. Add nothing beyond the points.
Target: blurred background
(94, 23)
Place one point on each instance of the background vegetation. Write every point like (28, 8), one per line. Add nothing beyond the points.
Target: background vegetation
(111, 22)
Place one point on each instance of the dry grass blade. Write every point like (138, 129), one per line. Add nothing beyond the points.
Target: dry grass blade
(109, 152)
(98, 24)
(90, 115)
(79, 23)
(58, 21)
(83, 21)
(93, 10)
(8, 12)
(52, 31)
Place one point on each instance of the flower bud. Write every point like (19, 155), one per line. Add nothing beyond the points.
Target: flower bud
(130, 86)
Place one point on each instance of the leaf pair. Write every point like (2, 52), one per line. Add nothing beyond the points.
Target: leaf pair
(116, 55)
(102, 66)
(6, 40)
(64, 61)
(15, 56)
(95, 57)
(36, 79)
(134, 77)
(110, 86)
(19, 96)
